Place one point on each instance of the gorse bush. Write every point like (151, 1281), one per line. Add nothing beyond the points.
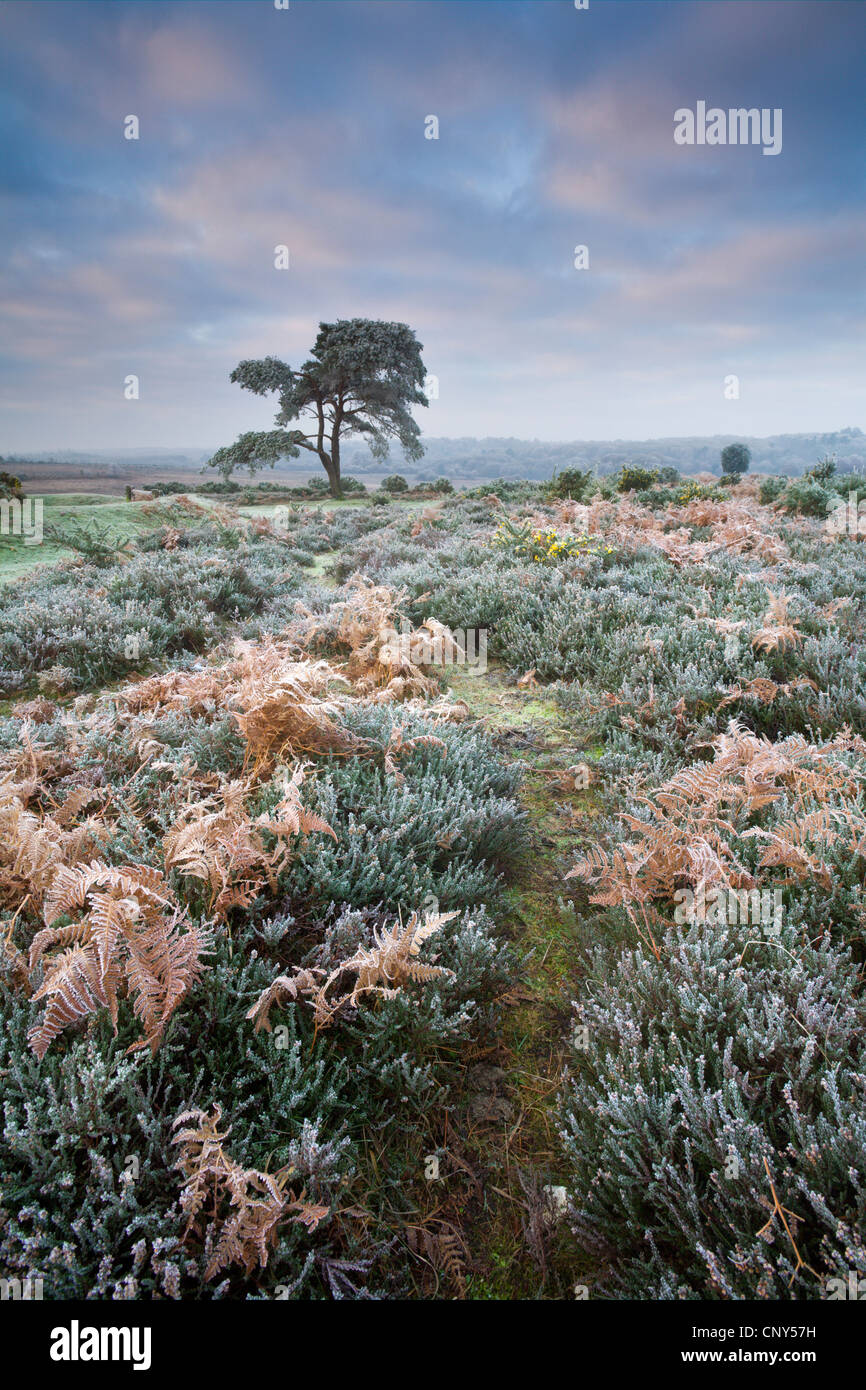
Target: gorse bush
(574, 483)
(771, 488)
(690, 491)
(545, 546)
(632, 478)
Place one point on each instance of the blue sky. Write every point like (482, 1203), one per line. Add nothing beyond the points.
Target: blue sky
(306, 127)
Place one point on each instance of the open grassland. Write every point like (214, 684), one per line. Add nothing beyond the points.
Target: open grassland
(421, 953)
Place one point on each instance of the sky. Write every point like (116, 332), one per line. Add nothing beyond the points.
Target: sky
(307, 127)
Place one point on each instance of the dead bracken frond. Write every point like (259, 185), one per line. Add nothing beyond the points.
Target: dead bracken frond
(281, 707)
(381, 969)
(696, 821)
(383, 663)
(33, 846)
(234, 1211)
(765, 691)
(778, 631)
(126, 931)
(216, 841)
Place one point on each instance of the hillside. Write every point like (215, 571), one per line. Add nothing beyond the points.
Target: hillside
(463, 460)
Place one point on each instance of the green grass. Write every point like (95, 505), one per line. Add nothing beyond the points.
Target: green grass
(128, 520)
(124, 519)
(528, 726)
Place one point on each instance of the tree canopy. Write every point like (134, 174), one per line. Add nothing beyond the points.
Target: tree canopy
(362, 378)
(736, 459)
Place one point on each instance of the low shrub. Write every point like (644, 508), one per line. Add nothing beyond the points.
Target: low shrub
(770, 489)
(633, 479)
(719, 1083)
(573, 483)
(808, 497)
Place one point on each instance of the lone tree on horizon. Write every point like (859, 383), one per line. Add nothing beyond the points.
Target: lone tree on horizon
(362, 377)
(735, 460)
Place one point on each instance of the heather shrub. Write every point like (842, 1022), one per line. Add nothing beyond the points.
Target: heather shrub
(168, 602)
(446, 831)
(91, 1197)
(727, 1069)
(90, 1194)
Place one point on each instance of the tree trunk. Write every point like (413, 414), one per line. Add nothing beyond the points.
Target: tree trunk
(334, 470)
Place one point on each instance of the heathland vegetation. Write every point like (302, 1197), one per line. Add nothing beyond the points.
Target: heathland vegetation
(333, 966)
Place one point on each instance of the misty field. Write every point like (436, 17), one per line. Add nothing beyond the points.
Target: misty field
(452, 899)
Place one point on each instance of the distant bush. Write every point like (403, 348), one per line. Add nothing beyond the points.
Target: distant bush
(395, 483)
(174, 488)
(669, 476)
(823, 470)
(10, 485)
(572, 483)
(735, 460)
(507, 490)
(210, 488)
(352, 486)
(771, 488)
(631, 479)
(443, 485)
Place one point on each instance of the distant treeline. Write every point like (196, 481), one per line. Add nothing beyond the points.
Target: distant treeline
(789, 454)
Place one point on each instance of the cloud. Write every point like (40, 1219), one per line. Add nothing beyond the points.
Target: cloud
(306, 128)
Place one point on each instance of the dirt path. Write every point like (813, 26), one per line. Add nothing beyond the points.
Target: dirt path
(503, 1140)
